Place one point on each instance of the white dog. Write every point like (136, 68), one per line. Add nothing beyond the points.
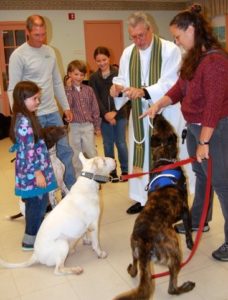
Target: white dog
(76, 214)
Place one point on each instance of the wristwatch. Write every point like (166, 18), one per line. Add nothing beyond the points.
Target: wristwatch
(203, 143)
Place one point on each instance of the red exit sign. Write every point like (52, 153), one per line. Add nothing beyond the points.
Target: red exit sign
(71, 16)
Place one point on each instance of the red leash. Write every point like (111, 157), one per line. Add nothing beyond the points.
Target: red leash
(205, 206)
(162, 168)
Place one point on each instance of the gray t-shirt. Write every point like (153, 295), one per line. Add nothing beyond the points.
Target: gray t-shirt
(38, 65)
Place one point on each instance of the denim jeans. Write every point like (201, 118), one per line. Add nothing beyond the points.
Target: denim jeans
(35, 209)
(218, 151)
(64, 151)
(116, 135)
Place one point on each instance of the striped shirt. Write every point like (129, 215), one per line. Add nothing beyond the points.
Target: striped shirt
(83, 105)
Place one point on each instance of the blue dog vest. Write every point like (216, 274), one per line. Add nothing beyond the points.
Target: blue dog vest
(164, 178)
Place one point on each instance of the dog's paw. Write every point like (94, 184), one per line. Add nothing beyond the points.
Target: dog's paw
(184, 288)
(188, 286)
(132, 271)
(77, 270)
(102, 254)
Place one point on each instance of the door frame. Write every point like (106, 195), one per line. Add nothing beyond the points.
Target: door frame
(6, 25)
(119, 41)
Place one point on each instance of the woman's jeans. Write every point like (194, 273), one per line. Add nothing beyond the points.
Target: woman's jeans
(218, 151)
(116, 135)
(35, 209)
(64, 151)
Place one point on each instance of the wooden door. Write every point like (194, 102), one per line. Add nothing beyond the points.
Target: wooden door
(12, 35)
(103, 33)
(226, 28)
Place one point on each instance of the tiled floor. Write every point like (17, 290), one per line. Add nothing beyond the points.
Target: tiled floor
(102, 279)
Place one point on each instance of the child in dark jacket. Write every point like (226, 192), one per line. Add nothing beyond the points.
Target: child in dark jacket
(114, 122)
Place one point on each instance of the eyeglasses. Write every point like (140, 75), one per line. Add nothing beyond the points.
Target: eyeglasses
(139, 36)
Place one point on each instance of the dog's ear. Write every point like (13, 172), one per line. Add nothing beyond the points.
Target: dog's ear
(98, 164)
(157, 118)
(52, 134)
(46, 132)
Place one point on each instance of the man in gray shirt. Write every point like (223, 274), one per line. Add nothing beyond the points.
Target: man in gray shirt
(36, 61)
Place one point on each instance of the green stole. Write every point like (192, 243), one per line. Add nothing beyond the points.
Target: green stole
(135, 81)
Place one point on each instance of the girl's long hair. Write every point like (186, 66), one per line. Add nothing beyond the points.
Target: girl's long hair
(22, 91)
(101, 50)
(205, 39)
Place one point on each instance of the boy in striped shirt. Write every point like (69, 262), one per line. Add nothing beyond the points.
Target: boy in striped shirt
(86, 115)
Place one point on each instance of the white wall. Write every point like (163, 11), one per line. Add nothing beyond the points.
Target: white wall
(219, 21)
(67, 37)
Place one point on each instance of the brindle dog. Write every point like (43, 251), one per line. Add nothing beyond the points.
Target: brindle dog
(154, 237)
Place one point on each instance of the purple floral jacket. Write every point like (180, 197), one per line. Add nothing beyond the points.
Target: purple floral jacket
(30, 157)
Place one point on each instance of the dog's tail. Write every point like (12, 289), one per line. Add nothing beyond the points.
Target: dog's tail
(135, 294)
(33, 259)
(144, 290)
(132, 295)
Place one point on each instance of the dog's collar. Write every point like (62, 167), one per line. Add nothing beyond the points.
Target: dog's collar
(97, 178)
(167, 159)
(162, 160)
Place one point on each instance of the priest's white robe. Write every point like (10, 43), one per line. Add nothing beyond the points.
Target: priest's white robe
(171, 59)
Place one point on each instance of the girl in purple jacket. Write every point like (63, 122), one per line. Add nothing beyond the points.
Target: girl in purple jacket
(34, 176)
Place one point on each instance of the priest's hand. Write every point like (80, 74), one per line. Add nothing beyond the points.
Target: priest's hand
(134, 93)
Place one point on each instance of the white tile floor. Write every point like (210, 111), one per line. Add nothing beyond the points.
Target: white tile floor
(102, 279)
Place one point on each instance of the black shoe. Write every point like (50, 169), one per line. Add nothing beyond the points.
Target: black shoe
(121, 179)
(27, 247)
(181, 229)
(114, 177)
(134, 209)
(221, 253)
